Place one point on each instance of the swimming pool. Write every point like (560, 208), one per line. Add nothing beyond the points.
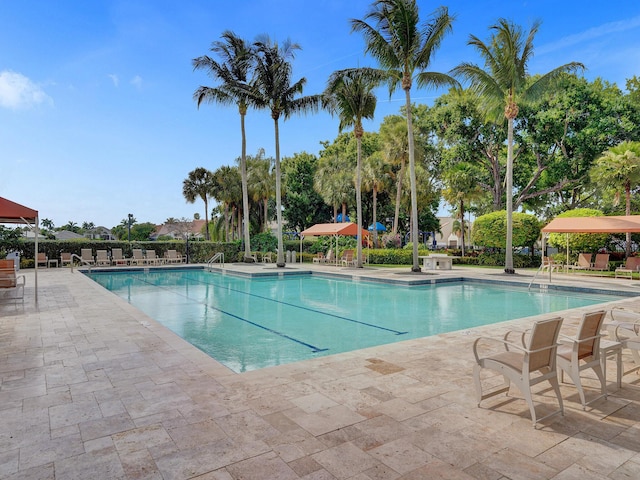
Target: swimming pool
(251, 323)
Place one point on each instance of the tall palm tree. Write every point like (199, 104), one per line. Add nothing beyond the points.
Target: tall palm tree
(403, 47)
(275, 91)
(350, 95)
(234, 70)
(200, 183)
(262, 182)
(620, 167)
(503, 85)
(395, 149)
(376, 176)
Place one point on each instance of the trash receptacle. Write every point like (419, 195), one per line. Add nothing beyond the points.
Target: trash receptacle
(293, 256)
(15, 256)
(287, 256)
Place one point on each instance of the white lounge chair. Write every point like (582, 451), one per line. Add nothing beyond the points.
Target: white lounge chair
(172, 256)
(152, 259)
(584, 353)
(117, 258)
(519, 362)
(86, 254)
(138, 257)
(102, 258)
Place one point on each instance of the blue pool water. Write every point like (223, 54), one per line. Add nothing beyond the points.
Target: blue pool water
(250, 323)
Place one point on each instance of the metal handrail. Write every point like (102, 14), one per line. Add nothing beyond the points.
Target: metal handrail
(217, 257)
(81, 260)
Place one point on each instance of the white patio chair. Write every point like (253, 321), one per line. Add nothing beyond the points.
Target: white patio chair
(584, 353)
(519, 363)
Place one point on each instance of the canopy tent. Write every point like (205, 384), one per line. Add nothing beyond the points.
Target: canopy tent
(335, 229)
(11, 212)
(379, 227)
(613, 224)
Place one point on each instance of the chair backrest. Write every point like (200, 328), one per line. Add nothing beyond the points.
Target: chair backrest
(589, 333)
(347, 254)
(65, 256)
(543, 343)
(116, 253)
(172, 254)
(101, 254)
(7, 273)
(42, 257)
(601, 261)
(633, 263)
(137, 253)
(330, 254)
(86, 253)
(151, 254)
(584, 260)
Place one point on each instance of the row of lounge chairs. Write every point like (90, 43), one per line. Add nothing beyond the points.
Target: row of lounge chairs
(346, 259)
(116, 258)
(536, 356)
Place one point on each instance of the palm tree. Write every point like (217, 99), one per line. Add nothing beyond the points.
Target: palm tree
(200, 183)
(333, 181)
(237, 57)
(350, 95)
(275, 91)
(262, 184)
(619, 167)
(393, 134)
(376, 176)
(503, 85)
(402, 48)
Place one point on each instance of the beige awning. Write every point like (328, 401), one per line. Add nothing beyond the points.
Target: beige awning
(320, 229)
(612, 224)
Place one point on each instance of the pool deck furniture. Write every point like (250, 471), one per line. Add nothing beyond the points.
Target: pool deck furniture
(582, 353)
(266, 257)
(102, 258)
(42, 259)
(583, 263)
(535, 352)
(548, 264)
(86, 254)
(11, 284)
(52, 262)
(319, 258)
(65, 258)
(601, 262)
(152, 259)
(172, 257)
(631, 265)
(347, 259)
(609, 348)
(137, 257)
(436, 261)
(117, 258)
(625, 329)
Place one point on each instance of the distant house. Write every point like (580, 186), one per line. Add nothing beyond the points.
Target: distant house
(179, 230)
(100, 233)
(66, 235)
(449, 239)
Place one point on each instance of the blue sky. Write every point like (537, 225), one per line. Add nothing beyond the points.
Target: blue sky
(96, 112)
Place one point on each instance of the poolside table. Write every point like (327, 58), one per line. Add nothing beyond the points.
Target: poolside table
(436, 261)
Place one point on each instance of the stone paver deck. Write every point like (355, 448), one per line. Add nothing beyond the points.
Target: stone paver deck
(91, 388)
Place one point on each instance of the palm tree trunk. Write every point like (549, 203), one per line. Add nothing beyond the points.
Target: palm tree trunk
(375, 217)
(359, 198)
(462, 223)
(627, 211)
(508, 266)
(245, 192)
(414, 191)
(266, 213)
(398, 197)
(280, 258)
(206, 219)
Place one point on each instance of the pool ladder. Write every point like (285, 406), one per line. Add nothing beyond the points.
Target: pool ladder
(218, 257)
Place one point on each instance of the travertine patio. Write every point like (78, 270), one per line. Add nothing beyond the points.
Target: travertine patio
(92, 388)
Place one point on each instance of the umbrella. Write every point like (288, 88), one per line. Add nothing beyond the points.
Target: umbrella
(339, 218)
(379, 227)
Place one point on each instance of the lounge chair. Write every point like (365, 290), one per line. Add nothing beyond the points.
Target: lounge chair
(331, 258)
(172, 256)
(631, 265)
(347, 258)
(138, 257)
(583, 353)
(536, 352)
(11, 284)
(65, 257)
(42, 259)
(102, 258)
(152, 259)
(319, 258)
(549, 264)
(117, 258)
(601, 262)
(583, 263)
(86, 254)
(266, 257)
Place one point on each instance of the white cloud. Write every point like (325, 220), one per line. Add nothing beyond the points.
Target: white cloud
(137, 81)
(17, 91)
(600, 31)
(114, 78)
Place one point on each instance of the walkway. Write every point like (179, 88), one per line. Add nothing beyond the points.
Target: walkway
(92, 388)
